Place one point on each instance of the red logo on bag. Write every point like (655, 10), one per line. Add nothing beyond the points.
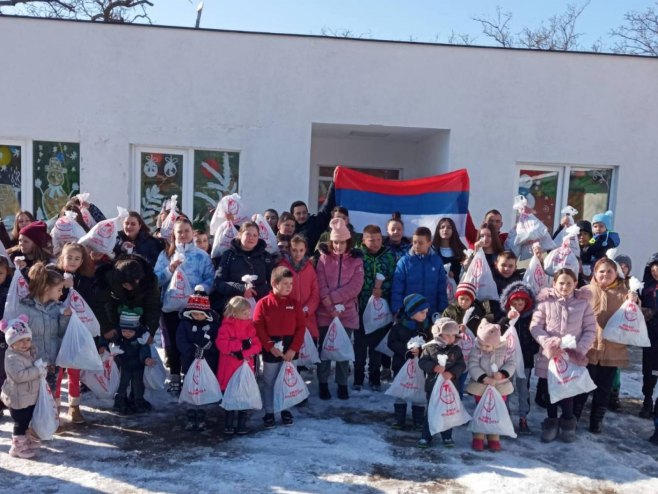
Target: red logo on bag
(450, 290)
(264, 234)
(106, 229)
(630, 312)
(539, 276)
(466, 343)
(180, 281)
(232, 206)
(64, 226)
(411, 370)
(446, 395)
(377, 303)
(477, 269)
(561, 365)
(77, 303)
(489, 402)
(331, 335)
(230, 232)
(290, 377)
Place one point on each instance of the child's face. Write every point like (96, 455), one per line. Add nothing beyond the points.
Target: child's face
(22, 345)
(605, 275)
(128, 334)
(131, 227)
(449, 338)
(26, 245)
(485, 348)
(485, 236)
(584, 238)
(53, 293)
(244, 314)
(625, 269)
(598, 228)
(4, 272)
(183, 233)
(506, 267)
(339, 246)
(564, 285)
(297, 251)
(201, 241)
(518, 304)
(420, 316)
(287, 227)
(395, 230)
(445, 231)
(283, 245)
(420, 245)
(464, 302)
(198, 315)
(283, 287)
(272, 219)
(72, 260)
(654, 271)
(373, 242)
(23, 220)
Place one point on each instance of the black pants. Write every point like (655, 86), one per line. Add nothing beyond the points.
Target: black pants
(170, 322)
(3, 374)
(447, 434)
(567, 408)
(603, 377)
(648, 379)
(135, 378)
(22, 418)
(364, 350)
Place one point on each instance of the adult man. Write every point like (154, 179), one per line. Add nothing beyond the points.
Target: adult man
(493, 218)
(313, 225)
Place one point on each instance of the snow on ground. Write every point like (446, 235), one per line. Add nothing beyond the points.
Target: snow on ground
(333, 447)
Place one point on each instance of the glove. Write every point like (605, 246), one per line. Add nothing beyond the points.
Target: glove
(238, 355)
(246, 344)
(198, 353)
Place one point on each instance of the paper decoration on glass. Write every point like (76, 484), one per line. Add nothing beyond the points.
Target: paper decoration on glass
(56, 176)
(10, 182)
(215, 175)
(161, 177)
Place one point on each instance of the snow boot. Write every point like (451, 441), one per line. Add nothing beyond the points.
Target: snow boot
(400, 414)
(493, 442)
(268, 421)
(121, 405)
(568, 429)
(75, 415)
(33, 441)
(418, 416)
(324, 391)
(596, 418)
(549, 430)
(242, 429)
(478, 442)
(614, 404)
(174, 386)
(343, 394)
(20, 447)
(140, 405)
(286, 417)
(229, 423)
(647, 408)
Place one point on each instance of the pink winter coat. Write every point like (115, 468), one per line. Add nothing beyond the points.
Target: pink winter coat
(305, 290)
(556, 317)
(229, 340)
(340, 278)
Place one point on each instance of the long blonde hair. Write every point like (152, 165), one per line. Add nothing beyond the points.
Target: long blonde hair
(236, 306)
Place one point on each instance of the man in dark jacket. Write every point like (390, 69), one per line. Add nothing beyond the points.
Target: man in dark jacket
(650, 354)
(314, 225)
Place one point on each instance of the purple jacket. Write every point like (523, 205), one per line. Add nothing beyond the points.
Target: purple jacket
(340, 278)
(556, 317)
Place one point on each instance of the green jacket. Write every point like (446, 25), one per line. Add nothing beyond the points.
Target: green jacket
(456, 313)
(382, 262)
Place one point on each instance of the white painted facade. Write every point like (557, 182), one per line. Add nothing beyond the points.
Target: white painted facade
(288, 103)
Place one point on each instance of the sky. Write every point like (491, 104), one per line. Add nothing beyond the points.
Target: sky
(405, 20)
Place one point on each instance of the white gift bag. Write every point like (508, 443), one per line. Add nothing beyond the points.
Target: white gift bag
(45, 419)
(200, 386)
(177, 292)
(104, 383)
(382, 347)
(228, 205)
(337, 345)
(479, 274)
(289, 388)
(66, 229)
(535, 277)
(103, 236)
(528, 227)
(566, 379)
(308, 353)
(409, 383)
(627, 326)
(167, 226)
(376, 315)
(77, 304)
(224, 235)
(451, 288)
(514, 349)
(86, 215)
(466, 343)
(155, 375)
(78, 350)
(242, 391)
(491, 415)
(18, 289)
(445, 410)
(266, 234)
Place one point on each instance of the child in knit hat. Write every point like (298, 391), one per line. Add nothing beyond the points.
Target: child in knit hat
(34, 245)
(489, 364)
(603, 237)
(21, 388)
(446, 336)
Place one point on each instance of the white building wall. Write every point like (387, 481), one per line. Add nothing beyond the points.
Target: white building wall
(110, 87)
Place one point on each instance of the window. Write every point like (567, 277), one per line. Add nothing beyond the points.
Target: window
(56, 176)
(550, 188)
(326, 176)
(10, 181)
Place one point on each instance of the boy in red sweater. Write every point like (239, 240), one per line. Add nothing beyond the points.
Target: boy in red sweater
(280, 325)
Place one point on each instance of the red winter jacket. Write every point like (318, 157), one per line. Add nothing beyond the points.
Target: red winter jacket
(229, 340)
(305, 290)
(279, 319)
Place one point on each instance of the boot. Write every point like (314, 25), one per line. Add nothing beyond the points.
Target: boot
(359, 377)
(324, 391)
(33, 441)
(20, 448)
(343, 394)
(578, 407)
(654, 439)
(121, 405)
(242, 429)
(595, 419)
(478, 442)
(76, 415)
(493, 441)
(614, 404)
(568, 429)
(174, 386)
(647, 408)
(229, 423)
(400, 414)
(418, 416)
(549, 430)
(286, 417)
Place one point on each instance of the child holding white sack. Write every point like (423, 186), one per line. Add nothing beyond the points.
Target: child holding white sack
(441, 356)
(21, 388)
(562, 310)
(490, 364)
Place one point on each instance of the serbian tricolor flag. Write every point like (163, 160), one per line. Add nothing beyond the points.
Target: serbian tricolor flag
(421, 202)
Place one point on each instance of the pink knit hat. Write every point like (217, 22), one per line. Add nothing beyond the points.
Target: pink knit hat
(339, 230)
(488, 333)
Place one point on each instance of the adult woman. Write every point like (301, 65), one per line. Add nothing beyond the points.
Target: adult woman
(272, 218)
(449, 246)
(396, 241)
(340, 279)
(136, 237)
(246, 256)
(21, 220)
(608, 293)
(34, 245)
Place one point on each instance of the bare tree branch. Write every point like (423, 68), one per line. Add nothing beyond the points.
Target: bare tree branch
(343, 33)
(639, 35)
(117, 11)
(460, 39)
(498, 27)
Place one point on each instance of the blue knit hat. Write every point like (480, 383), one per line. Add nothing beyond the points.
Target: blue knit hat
(415, 303)
(605, 218)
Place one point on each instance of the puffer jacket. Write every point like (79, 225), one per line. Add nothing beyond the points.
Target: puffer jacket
(21, 388)
(145, 245)
(423, 274)
(428, 360)
(381, 262)
(198, 267)
(306, 291)
(48, 327)
(456, 313)
(556, 317)
(479, 367)
(529, 346)
(192, 334)
(605, 303)
(229, 341)
(400, 334)
(233, 264)
(398, 250)
(340, 277)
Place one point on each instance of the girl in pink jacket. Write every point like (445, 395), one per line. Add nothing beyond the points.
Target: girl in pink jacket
(562, 310)
(236, 341)
(340, 279)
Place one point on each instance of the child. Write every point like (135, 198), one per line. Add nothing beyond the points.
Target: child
(411, 321)
(625, 264)
(489, 349)
(504, 273)
(420, 272)
(278, 318)
(446, 333)
(650, 354)
(519, 302)
(603, 239)
(283, 243)
(562, 310)
(196, 337)
(202, 241)
(75, 261)
(377, 259)
(395, 240)
(237, 342)
(21, 389)
(5, 281)
(44, 311)
(131, 362)
(34, 245)
(449, 246)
